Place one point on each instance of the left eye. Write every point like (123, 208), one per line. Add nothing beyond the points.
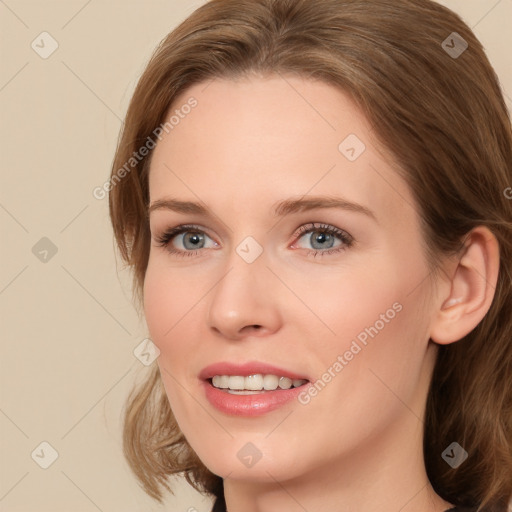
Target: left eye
(323, 238)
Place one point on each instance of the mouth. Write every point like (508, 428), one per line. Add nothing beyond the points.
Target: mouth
(254, 384)
(250, 389)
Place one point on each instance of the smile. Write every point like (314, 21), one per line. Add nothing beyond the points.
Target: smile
(253, 384)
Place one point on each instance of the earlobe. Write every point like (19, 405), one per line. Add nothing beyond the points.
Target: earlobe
(472, 288)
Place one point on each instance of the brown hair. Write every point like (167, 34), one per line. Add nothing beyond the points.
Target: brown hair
(442, 117)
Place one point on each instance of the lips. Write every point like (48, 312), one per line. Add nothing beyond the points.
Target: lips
(249, 368)
(254, 404)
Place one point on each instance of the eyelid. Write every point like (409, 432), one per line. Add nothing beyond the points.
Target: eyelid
(320, 226)
(179, 229)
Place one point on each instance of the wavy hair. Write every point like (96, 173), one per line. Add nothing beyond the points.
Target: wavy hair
(443, 118)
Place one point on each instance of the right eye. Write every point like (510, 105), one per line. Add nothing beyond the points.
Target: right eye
(191, 238)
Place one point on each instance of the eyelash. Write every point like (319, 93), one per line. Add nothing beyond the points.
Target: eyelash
(347, 241)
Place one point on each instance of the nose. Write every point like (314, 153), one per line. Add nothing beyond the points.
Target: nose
(245, 302)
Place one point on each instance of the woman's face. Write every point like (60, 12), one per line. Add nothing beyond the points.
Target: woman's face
(333, 293)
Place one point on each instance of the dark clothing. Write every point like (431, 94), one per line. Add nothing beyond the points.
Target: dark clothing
(219, 505)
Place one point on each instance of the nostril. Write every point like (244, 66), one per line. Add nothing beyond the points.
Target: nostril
(252, 327)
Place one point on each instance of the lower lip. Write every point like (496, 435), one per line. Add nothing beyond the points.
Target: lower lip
(250, 405)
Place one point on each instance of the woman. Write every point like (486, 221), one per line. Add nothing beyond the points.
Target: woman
(313, 196)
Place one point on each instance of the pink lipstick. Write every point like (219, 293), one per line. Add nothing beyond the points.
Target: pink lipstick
(250, 389)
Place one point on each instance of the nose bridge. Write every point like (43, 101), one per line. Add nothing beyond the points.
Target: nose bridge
(243, 298)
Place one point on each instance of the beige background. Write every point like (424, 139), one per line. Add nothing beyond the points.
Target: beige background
(69, 329)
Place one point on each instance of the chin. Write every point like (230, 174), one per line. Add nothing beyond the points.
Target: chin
(245, 460)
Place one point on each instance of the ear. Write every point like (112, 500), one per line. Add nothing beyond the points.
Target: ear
(467, 296)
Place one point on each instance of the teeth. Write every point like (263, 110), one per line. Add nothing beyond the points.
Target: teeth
(285, 383)
(253, 382)
(270, 382)
(236, 382)
(257, 382)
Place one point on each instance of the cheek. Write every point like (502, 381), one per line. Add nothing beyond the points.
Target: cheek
(363, 302)
(171, 309)
(165, 309)
(382, 351)
(167, 300)
(381, 323)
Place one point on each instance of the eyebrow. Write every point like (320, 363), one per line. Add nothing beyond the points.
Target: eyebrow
(280, 209)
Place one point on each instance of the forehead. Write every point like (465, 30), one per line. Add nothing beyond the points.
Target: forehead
(265, 139)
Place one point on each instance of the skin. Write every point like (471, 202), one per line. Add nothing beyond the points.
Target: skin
(248, 144)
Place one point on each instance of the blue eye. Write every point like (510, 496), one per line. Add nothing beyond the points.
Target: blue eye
(193, 240)
(322, 237)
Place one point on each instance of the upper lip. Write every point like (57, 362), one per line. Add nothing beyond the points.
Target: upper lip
(248, 368)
